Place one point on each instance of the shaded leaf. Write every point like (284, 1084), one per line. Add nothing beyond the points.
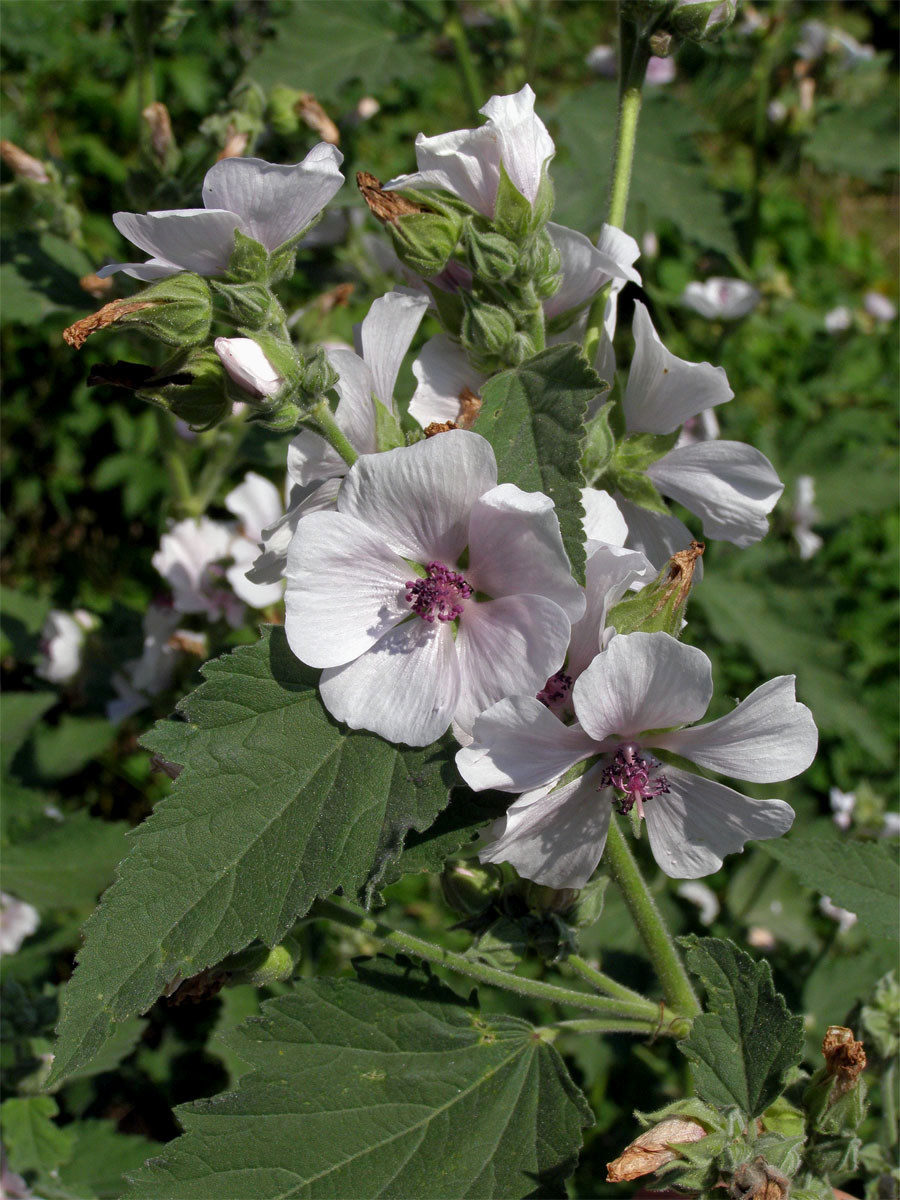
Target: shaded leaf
(68, 865)
(39, 275)
(32, 1140)
(19, 712)
(65, 749)
(386, 1086)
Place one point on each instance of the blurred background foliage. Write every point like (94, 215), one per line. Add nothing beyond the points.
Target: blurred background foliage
(756, 161)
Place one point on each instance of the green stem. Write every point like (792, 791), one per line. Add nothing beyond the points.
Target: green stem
(220, 461)
(603, 983)
(321, 419)
(173, 459)
(669, 968)
(634, 54)
(676, 1028)
(455, 31)
(644, 1012)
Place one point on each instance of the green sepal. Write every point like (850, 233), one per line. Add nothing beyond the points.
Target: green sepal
(491, 256)
(544, 201)
(249, 262)
(469, 887)
(600, 443)
(833, 1157)
(388, 434)
(657, 608)
(486, 328)
(641, 491)
(588, 906)
(180, 312)
(702, 20)
(784, 1118)
(450, 310)
(539, 264)
(642, 450)
(194, 387)
(425, 241)
(249, 304)
(830, 1111)
(513, 215)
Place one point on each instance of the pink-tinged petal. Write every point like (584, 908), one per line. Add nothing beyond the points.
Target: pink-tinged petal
(656, 535)
(556, 840)
(355, 413)
(517, 745)
(585, 270)
(769, 736)
(274, 202)
(405, 688)
(610, 572)
(418, 498)
(465, 162)
(603, 520)
(730, 486)
(699, 821)
(256, 503)
(245, 362)
(153, 268)
(664, 391)
(720, 298)
(386, 335)
(310, 459)
(515, 548)
(193, 239)
(507, 647)
(270, 565)
(642, 681)
(345, 589)
(525, 144)
(443, 373)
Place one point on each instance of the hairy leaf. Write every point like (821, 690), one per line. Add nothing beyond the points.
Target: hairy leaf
(742, 1046)
(859, 876)
(32, 1140)
(100, 1157)
(68, 865)
(386, 1086)
(276, 805)
(533, 416)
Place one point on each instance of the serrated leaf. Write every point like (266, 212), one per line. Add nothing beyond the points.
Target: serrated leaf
(386, 1086)
(859, 876)
(68, 865)
(742, 1046)
(100, 1157)
(533, 415)
(31, 1139)
(276, 806)
(322, 47)
(859, 140)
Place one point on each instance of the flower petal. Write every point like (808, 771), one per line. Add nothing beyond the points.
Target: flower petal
(525, 144)
(610, 572)
(274, 202)
(603, 520)
(769, 736)
(585, 270)
(515, 548)
(556, 840)
(699, 821)
(519, 745)
(345, 589)
(507, 647)
(465, 162)
(386, 334)
(405, 688)
(248, 366)
(153, 268)
(730, 486)
(193, 239)
(642, 681)
(656, 535)
(257, 595)
(443, 373)
(256, 503)
(419, 497)
(664, 391)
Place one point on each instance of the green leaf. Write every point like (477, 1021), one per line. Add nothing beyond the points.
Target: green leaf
(32, 1141)
(19, 712)
(533, 416)
(39, 276)
(741, 1048)
(860, 140)
(859, 876)
(327, 45)
(276, 806)
(68, 865)
(65, 749)
(388, 1086)
(100, 1158)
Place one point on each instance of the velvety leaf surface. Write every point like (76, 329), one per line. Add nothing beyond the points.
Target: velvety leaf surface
(276, 805)
(68, 865)
(386, 1086)
(743, 1044)
(533, 416)
(859, 876)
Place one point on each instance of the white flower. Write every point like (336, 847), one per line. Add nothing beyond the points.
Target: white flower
(467, 162)
(879, 307)
(721, 299)
(845, 919)
(412, 634)
(602, 60)
(18, 921)
(839, 319)
(704, 897)
(62, 642)
(804, 514)
(842, 805)
(257, 504)
(144, 677)
(269, 203)
(189, 558)
(660, 70)
(640, 685)
(245, 362)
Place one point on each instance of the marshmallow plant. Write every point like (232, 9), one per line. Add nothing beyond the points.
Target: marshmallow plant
(483, 655)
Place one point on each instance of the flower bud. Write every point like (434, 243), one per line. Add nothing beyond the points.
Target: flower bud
(653, 1149)
(659, 607)
(259, 966)
(469, 887)
(424, 241)
(177, 311)
(486, 329)
(319, 375)
(541, 898)
(587, 907)
(192, 387)
(246, 364)
(249, 304)
(539, 264)
(491, 257)
(835, 1099)
(702, 20)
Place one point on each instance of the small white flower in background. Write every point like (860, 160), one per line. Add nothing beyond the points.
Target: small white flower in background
(18, 921)
(189, 558)
(271, 204)
(760, 938)
(367, 108)
(703, 896)
(142, 678)
(603, 61)
(643, 683)
(879, 307)
(245, 362)
(721, 299)
(777, 111)
(650, 244)
(62, 643)
(842, 806)
(804, 514)
(466, 162)
(410, 638)
(891, 826)
(660, 70)
(258, 506)
(845, 919)
(839, 319)
(816, 38)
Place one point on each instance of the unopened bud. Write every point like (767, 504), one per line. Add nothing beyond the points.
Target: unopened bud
(540, 264)
(249, 304)
(659, 607)
(469, 887)
(162, 140)
(486, 329)
(319, 376)
(702, 20)
(425, 241)
(23, 164)
(491, 256)
(541, 898)
(653, 1149)
(248, 367)
(192, 387)
(177, 311)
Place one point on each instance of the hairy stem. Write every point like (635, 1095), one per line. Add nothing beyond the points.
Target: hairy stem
(321, 419)
(603, 983)
(665, 958)
(173, 459)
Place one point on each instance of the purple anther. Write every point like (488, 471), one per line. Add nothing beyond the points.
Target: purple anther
(441, 594)
(632, 776)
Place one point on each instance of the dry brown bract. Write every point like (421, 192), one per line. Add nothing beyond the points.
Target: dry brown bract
(652, 1149)
(311, 112)
(386, 206)
(757, 1180)
(76, 335)
(23, 164)
(845, 1058)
